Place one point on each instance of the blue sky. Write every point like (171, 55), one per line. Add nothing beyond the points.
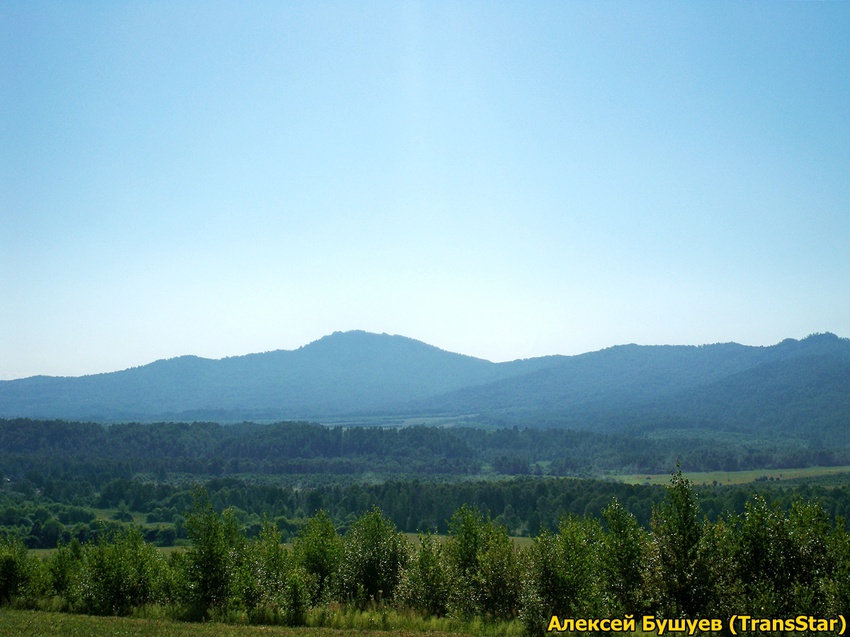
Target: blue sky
(499, 179)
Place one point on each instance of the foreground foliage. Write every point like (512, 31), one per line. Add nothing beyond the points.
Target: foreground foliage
(764, 562)
(52, 624)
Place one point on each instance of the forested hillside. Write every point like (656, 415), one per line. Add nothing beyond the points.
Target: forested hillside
(344, 373)
(312, 453)
(785, 565)
(796, 387)
(55, 472)
(799, 388)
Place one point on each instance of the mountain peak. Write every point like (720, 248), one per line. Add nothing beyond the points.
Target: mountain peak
(356, 372)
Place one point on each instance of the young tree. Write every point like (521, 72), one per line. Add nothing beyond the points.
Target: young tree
(425, 584)
(563, 574)
(678, 569)
(214, 558)
(374, 554)
(623, 555)
(117, 574)
(15, 566)
(273, 588)
(482, 566)
(318, 550)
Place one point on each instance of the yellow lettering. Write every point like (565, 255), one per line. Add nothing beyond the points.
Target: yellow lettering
(648, 624)
(732, 621)
(716, 625)
(629, 623)
(553, 624)
(568, 625)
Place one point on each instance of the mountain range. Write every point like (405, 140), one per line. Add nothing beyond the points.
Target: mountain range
(796, 386)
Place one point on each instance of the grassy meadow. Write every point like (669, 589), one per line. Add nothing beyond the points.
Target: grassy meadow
(26, 623)
(737, 477)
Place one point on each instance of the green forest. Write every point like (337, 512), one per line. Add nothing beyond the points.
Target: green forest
(65, 480)
(489, 532)
(765, 562)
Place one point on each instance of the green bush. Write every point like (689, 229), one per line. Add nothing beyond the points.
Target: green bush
(116, 574)
(482, 565)
(623, 555)
(15, 569)
(273, 588)
(64, 568)
(425, 583)
(317, 550)
(563, 574)
(678, 568)
(213, 561)
(374, 555)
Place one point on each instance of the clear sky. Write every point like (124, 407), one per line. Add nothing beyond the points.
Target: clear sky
(499, 179)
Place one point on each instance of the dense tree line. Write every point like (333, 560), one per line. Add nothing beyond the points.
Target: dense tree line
(764, 562)
(54, 511)
(300, 452)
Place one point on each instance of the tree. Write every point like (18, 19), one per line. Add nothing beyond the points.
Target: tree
(14, 569)
(318, 550)
(425, 583)
(482, 566)
(563, 574)
(214, 558)
(273, 587)
(374, 554)
(678, 569)
(117, 574)
(625, 547)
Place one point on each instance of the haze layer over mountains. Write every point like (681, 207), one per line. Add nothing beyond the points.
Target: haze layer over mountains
(381, 379)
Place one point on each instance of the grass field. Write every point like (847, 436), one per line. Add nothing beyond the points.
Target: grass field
(737, 477)
(43, 624)
(25, 623)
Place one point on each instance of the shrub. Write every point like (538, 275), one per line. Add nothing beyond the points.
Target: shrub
(117, 574)
(482, 565)
(15, 569)
(425, 583)
(213, 561)
(563, 574)
(318, 551)
(679, 570)
(273, 589)
(625, 547)
(374, 554)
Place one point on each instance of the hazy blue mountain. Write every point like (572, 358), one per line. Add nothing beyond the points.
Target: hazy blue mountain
(630, 375)
(806, 395)
(798, 388)
(791, 386)
(341, 374)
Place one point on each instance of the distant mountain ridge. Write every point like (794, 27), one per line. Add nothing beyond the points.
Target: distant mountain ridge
(340, 374)
(352, 374)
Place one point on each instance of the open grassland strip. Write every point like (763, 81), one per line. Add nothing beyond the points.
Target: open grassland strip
(737, 477)
(44, 624)
(520, 541)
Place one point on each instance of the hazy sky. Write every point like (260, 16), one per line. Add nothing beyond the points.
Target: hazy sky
(499, 179)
